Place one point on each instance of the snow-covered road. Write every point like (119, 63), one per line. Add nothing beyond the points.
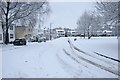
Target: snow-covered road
(59, 59)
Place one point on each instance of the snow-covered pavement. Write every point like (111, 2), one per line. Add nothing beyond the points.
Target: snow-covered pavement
(60, 59)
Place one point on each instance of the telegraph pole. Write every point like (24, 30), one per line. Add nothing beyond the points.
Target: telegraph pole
(50, 30)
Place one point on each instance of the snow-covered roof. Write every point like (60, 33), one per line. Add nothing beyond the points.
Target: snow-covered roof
(73, 31)
(60, 30)
(21, 26)
(107, 31)
(99, 31)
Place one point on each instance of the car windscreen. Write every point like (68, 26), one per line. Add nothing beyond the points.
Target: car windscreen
(17, 40)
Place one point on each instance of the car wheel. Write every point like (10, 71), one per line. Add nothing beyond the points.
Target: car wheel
(24, 43)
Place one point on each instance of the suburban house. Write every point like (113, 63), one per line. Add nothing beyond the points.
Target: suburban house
(23, 32)
(72, 33)
(104, 32)
(1, 33)
(11, 32)
(107, 32)
(60, 33)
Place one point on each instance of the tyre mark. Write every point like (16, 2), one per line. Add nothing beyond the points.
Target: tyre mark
(93, 63)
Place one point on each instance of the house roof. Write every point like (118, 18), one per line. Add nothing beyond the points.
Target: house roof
(21, 26)
(60, 30)
(107, 31)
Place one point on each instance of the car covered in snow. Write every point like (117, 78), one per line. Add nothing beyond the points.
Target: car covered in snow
(19, 42)
(42, 39)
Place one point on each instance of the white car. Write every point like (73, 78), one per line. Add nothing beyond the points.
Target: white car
(42, 39)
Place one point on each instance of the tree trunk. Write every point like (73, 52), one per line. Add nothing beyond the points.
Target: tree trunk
(84, 34)
(7, 27)
(3, 33)
(6, 33)
(89, 32)
(89, 35)
(6, 37)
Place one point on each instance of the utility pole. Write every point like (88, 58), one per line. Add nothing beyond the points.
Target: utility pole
(44, 31)
(50, 30)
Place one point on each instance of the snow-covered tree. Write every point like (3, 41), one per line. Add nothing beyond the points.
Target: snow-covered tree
(109, 12)
(88, 23)
(19, 11)
(96, 24)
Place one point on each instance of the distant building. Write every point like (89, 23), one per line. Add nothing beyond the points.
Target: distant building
(60, 33)
(23, 32)
(72, 33)
(99, 33)
(107, 32)
(104, 33)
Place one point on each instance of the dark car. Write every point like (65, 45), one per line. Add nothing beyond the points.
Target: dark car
(19, 42)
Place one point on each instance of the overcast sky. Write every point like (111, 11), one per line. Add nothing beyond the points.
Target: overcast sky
(66, 14)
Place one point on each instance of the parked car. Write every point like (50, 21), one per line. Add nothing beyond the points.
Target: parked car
(19, 42)
(42, 39)
(32, 40)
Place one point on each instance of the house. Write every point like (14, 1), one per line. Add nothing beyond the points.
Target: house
(11, 32)
(23, 32)
(99, 33)
(1, 30)
(1, 33)
(104, 33)
(107, 32)
(60, 33)
(72, 33)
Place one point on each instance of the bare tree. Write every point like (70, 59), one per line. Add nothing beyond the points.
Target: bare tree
(33, 18)
(96, 24)
(14, 11)
(89, 23)
(109, 12)
(84, 23)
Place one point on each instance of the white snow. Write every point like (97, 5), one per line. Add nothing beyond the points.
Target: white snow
(59, 59)
(105, 45)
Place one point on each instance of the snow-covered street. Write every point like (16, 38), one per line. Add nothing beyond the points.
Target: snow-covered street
(62, 58)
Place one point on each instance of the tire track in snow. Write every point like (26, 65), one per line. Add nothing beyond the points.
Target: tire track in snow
(107, 57)
(93, 63)
(67, 67)
(95, 56)
(116, 72)
(94, 52)
(107, 62)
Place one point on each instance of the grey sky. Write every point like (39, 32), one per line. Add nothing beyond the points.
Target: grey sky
(66, 14)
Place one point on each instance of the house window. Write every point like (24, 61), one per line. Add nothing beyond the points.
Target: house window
(11, 27)
(0, 36)
(11, 35)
